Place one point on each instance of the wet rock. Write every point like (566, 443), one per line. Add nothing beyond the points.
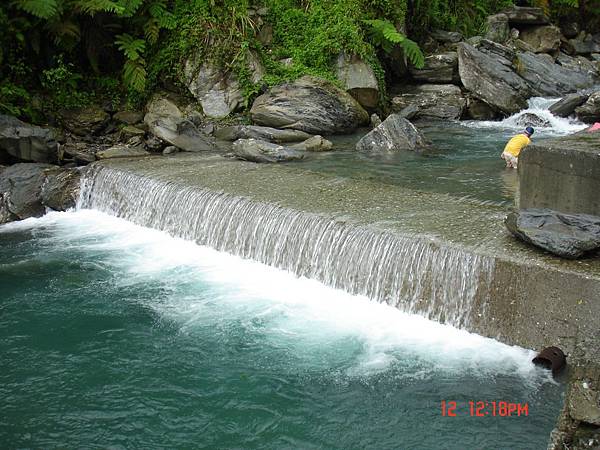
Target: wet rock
(170, 150)
(80, 152)
(409, 112)
(128, 117)
(580, 65)
(21, 188)
(358, 79)
(447, 37)
(480, 110)
(433, 101)
(309, 104)
(566, 235)
(498, 29)
(492, 79)
(314, 144)
(439, 68)
(167, 122)
(60, 189)
(121, 151)
(235, 132)
(91, 120)
(393, 135)
(531, 120)
(589, 112)
(543, 39)
(27, 142)
(526, 16)
(264, 152)
(566, 106)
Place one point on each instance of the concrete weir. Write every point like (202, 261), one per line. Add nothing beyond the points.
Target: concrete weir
(446, 258)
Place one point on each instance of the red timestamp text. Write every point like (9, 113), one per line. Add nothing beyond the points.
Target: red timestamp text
(484, 409)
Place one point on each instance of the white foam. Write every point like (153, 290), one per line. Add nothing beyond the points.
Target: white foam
(538, 106)
(297, 311)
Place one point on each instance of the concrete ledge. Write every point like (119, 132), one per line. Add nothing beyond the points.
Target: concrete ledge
(562, 174)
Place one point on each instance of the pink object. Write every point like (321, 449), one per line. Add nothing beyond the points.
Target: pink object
(594, 127)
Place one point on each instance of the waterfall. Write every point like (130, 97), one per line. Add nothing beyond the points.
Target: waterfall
(415, 274)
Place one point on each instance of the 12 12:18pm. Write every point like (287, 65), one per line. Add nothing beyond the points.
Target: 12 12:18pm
(485, 408)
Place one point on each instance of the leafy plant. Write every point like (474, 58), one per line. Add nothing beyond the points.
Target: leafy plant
(385, 35)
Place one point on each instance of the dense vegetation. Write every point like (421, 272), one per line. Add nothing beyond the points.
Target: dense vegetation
(68, 53)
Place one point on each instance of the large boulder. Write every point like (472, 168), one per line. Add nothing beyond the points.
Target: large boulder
(264, 152)
(309, 104)
(21, 190)
(531, 120)
(584, 44)
(27, 142)
(525, 16)
(549, 79)
(543, 39)
(438, 68)
(447, 37)
(393, 135)
(565, 235)
(235, 132)
(492, 79)
(359, 80)
(218, 90)
(128, 117)
(479, 110)
(60, 189)
(167, 121)
(566, 105)
(498, 29)
(589, 112)
(433, 101)
(91, 120)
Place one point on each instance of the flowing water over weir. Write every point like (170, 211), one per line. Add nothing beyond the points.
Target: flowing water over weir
(413, 273)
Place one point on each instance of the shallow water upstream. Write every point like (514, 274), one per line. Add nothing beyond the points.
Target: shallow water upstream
(114, 335)
(465, 161)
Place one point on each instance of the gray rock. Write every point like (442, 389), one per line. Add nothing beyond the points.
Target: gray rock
(314, 144)
(359, 80)
(129, 117)
(91, 120)
(566, 105)
(589, 112)
(504, 54)
(218, 90)
(434, 101)
(27, 142)
(570, 28)
(235, 132)
(170, 150)
(376, 121)
(526, 16)
(60, 189)
(565, 235)
(498, 29)
(154, 144)
(121, 151)
(579, 64)
(447, 37)
(393, 135)
(480, 110)
(409, 112)
(531, 120)
(584, 44)
(166, 121)
(309, 104)
(439, 68)
(21, 189)
(80, 152)
(492, 80)
(543, 39)
(130, 131)
(264, 152)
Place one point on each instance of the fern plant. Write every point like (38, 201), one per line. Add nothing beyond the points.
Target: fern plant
(385, 35)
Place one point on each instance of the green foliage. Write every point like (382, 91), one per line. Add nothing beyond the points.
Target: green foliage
(385, 35)
(63, 81)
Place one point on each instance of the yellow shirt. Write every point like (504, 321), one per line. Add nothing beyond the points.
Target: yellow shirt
(516, 144)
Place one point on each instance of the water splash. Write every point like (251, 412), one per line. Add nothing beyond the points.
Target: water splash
(415, 274)
(539, 106)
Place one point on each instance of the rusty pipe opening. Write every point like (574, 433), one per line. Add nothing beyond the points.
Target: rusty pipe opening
(551, 358)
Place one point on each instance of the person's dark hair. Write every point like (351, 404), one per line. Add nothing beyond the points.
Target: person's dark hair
(529, 131)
